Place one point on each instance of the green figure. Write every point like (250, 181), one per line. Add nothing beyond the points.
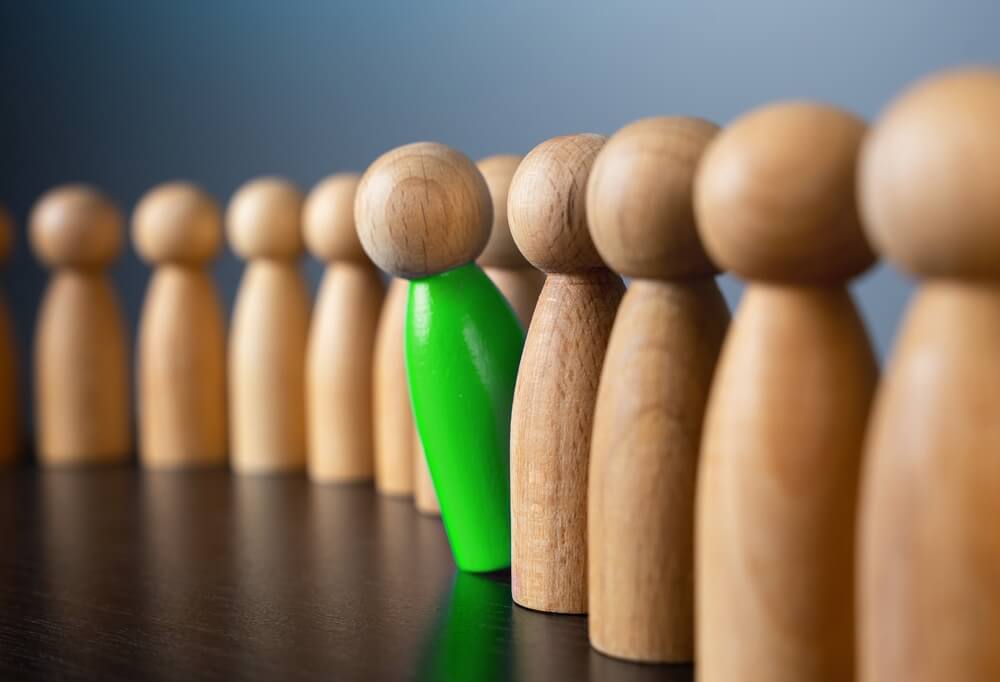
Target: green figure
(424, 212)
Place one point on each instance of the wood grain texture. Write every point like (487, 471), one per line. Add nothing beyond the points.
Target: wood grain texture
(394, 427)
(82, 403)
(643, 468)
(267, 369)
(422, 209)
(776, 498)
(424, 496)
(929, 553)
(551, 428)
(520, 287)
(340, 371)
(182, 371)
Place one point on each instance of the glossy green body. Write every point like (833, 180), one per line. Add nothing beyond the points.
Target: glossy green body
(463, 347)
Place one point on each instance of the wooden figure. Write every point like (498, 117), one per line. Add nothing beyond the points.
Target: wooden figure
(269, 328)
(424, 496)
(929, 595)
(395, 463)
(182, 337)
(82, 411)
(781, 449)
(339, 369)
(10, 410)
(654, 386)
(557, 383)
(423, 212)
(501, 261)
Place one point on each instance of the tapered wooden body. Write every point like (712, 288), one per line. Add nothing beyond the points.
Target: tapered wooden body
(82, 408)
(520, 287)
(644, 462)
(394, 429)
(10, 410)
(267, 369)
(930, 553)
(551, 427)
(424, 495)
(341, 348)
(181, 371)
(778, 488)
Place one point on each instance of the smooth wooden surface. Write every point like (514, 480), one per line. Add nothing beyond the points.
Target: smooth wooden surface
(422, 209)
(267, 350)
(182, 371)
(781, 452)
(521, 288)
(339, 373)
(339, 370)
(929, 550)
(181, 363)
(644, 465)
(550, 438)
(82, 403)
(269, 330)
(654, 386)
(424, 496)
(930, 553)
(82, 396)
(394, 427)
(115, 574)
(788, 408)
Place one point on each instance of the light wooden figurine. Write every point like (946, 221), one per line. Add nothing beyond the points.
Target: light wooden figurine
(929, 593)
(82, 413)
(177, 229)
(339, 366)
(270, 324)
(424, 496)
(395, 432)
(516, 279)
(651, 402)
(10, 410)
(556, 391)
(787, 411)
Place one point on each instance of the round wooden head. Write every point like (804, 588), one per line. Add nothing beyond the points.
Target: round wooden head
(547, 204)
(6, 234)
(422, 209)
(177, 222)
(75, 226)
(928, 177)
(263, 220)
(774, 196)
(640, 199)
(328, 220)
(500, 251)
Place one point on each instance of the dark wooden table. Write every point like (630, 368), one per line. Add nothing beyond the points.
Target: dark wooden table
(116, 574)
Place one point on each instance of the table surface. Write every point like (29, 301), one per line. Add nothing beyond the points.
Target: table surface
(119, 574)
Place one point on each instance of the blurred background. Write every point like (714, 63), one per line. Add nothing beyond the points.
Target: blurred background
(126, 94)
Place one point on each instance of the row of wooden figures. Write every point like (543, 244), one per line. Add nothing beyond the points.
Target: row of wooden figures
(747, 492)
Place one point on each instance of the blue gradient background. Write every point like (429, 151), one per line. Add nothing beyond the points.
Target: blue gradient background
(127, 94)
